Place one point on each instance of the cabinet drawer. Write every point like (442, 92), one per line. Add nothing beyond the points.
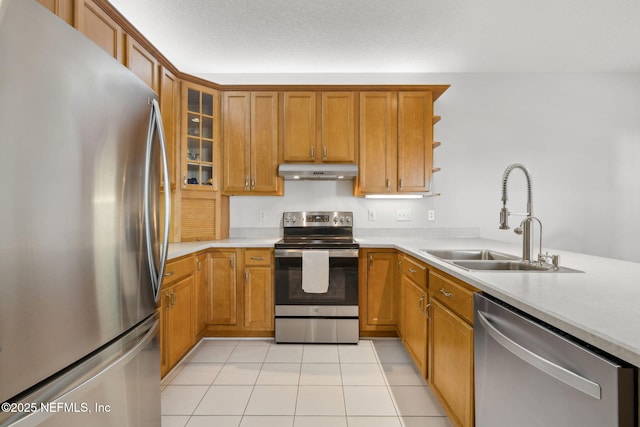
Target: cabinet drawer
(414, 270)
(178, 268)
(454, 295)
(257, 257)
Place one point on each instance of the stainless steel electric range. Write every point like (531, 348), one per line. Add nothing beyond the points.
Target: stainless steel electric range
(316, 279)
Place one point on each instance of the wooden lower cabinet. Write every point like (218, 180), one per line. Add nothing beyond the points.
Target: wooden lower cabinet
(242, 301)
(415, 322)
(203, 279)
(177, 311)
(224, 288)
(378, 291)
(451, 375)
(451, 346)
(258, 290)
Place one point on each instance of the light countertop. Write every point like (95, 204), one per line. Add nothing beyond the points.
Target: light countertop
(600, 306)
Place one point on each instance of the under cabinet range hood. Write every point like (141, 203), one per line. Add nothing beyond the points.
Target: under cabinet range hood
(317, 171)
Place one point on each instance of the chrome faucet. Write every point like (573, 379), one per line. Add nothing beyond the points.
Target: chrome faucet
(525, 226)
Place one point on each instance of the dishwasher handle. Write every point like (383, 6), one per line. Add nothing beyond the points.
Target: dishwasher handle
(558, 372)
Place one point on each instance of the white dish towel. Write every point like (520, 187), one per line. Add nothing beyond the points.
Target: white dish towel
(315, 271)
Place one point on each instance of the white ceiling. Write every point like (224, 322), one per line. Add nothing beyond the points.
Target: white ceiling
(214, 38)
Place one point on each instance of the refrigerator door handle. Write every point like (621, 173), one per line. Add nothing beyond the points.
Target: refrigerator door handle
(71, 387)
(156, 267)
(558, 372)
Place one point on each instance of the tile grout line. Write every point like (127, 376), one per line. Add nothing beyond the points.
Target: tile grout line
(211, 384)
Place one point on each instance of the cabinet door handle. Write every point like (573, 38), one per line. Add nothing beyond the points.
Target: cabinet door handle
(370, 262)
(313, 152)
(173, 298)
(168, 296)
(169, 273)
(246, 182)
(257, 258)
(445, 293)
(184, 180)
(231, 262)
(198, 265)
(246, 277)
(426, 311)
(411, 270)
(388, 184)
(420, 303)
(400, 183)
(324, 152)
(253, 182)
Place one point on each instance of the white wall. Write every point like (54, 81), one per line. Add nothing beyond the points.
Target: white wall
(578, 133)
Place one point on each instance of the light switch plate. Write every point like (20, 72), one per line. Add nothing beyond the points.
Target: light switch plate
(372, 214)
(431, 215)
(403, 215)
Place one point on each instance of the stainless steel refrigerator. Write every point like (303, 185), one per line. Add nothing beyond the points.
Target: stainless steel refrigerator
(82, 249)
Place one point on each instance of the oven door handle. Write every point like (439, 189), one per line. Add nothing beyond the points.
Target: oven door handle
(333, 253)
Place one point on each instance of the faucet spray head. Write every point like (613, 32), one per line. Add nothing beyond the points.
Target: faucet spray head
(504, 218)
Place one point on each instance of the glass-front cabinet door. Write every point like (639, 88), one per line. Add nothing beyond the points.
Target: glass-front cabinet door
(199, 137)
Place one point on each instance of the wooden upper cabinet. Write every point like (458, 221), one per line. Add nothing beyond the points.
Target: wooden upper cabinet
(94, 23)
(396, 142)
(236, 141)
(199, 137)
(378, 142)
(264, 143)
(250, 143)
(169, 107)
(299, 127)
(61, 8)
(338, 131)
(319, 127)
(415, 141)
(142, 63)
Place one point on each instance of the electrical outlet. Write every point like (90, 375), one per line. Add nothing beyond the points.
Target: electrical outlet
(372, 214)
(263, 216)
(431, 215)
(403, 215)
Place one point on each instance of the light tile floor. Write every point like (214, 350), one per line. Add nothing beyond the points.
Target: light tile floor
(244, 383)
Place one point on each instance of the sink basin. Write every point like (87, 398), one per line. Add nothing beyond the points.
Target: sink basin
(469, 254)
(501, 265)
(488, 260)
(494, 265)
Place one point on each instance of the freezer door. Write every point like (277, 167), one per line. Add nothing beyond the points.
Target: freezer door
(119, 386)
(74, 254)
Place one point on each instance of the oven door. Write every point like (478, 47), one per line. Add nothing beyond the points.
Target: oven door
(343, 279)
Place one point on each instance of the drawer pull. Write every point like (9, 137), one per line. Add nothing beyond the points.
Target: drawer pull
(412, 271)
(257, 258)
(169, 273)
(445, 293)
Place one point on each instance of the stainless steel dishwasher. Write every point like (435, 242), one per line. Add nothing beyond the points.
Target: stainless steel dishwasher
(527, 374)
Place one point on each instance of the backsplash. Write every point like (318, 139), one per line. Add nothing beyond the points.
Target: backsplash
(329, 196)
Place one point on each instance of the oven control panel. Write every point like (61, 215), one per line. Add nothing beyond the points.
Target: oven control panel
(317, 219)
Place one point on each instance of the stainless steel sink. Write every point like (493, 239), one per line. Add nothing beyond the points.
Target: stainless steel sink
(488, 260)
(469, 254)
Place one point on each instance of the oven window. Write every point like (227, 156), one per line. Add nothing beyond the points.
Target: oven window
(343, 283)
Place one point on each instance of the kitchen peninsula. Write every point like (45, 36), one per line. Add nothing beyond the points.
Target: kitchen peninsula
(597, 305)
